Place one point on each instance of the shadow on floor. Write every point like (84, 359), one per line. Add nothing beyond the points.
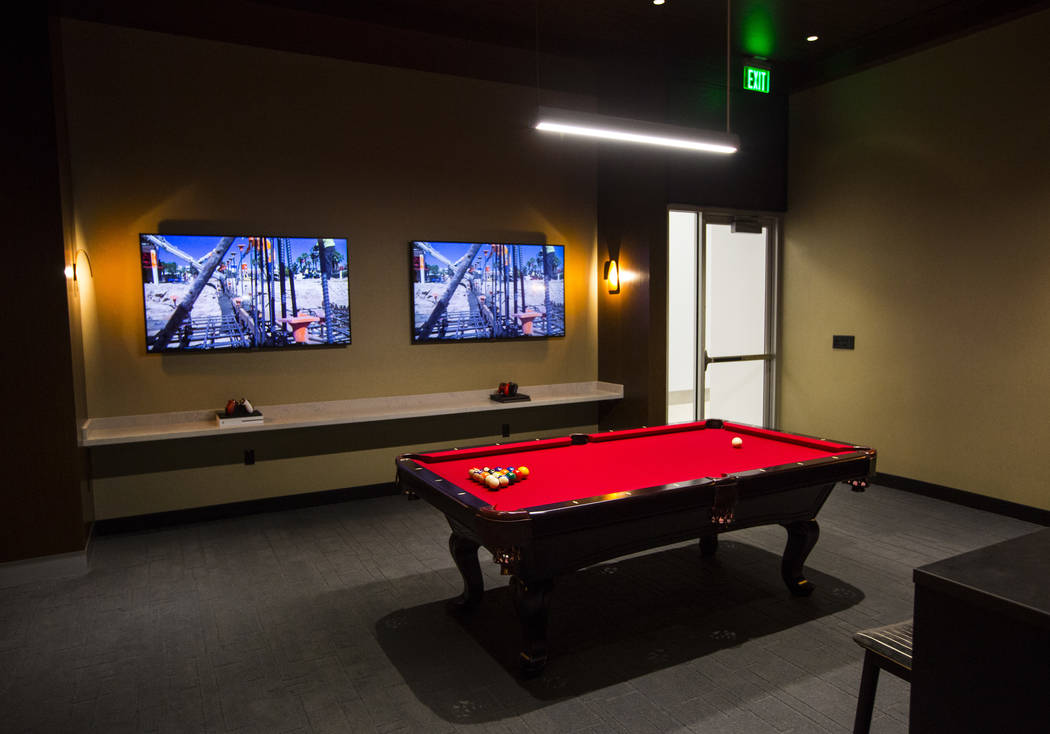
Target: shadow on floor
(608, 624)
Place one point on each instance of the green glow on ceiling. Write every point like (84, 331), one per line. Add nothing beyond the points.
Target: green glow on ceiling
(758, 36)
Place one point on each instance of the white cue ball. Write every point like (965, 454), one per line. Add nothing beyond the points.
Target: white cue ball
(737, 442)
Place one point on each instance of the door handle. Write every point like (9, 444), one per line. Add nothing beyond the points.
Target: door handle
(734, 358)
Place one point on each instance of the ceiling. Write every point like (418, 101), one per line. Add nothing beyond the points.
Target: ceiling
(685, 37)
(853, 34)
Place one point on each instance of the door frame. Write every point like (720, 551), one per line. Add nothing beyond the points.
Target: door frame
(773, 222)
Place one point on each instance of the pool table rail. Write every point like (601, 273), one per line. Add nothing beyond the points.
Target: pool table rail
(415, 478)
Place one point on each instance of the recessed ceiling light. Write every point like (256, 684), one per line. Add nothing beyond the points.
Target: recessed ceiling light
(811, 39)
(658, 2)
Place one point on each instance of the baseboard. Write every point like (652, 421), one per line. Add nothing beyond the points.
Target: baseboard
(967, 499)
(156, 520)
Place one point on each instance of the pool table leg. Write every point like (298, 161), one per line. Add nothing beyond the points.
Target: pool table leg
(708, 545)
(802, 536)
(532, 602)
(465, 554)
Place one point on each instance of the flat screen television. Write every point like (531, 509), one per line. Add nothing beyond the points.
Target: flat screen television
(220, 293)
(466, 291)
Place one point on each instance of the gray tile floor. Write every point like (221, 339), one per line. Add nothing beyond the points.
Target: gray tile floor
(332, 619)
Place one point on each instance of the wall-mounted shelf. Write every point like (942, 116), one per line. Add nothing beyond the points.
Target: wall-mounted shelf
(194, 423)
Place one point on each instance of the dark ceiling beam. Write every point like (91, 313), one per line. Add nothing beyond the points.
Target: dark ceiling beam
(272, 26)
(574, 43)
(617, 81)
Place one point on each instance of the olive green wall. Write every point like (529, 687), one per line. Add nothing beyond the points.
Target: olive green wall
(919, 220)
(182, 135)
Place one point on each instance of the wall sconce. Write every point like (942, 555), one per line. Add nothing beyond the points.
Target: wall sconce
(71, 270)
(612, 275)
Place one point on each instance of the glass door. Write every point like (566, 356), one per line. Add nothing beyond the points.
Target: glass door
(721, 300)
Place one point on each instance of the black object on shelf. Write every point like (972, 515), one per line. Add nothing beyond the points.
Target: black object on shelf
(516, 397)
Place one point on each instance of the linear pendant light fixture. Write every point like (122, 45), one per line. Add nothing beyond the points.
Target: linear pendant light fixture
(626, 130)
(605, 127)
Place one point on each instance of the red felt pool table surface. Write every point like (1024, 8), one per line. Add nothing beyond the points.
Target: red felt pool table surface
(621, 461)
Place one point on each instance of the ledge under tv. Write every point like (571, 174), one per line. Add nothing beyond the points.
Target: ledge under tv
(209, 293)
(486, 291)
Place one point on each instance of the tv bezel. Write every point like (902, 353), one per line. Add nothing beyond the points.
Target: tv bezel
(243, 350)
(489, 339)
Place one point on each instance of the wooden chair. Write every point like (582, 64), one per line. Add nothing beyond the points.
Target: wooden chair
(887, 648)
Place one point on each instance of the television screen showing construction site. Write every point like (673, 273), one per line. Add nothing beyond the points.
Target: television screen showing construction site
(475, 290)
(220, 293)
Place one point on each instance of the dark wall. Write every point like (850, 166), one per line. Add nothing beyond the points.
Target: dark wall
(631, 227)
(755, 177)
(635, 187)
(41, 491)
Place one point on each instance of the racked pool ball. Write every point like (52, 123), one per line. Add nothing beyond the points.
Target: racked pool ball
(522, 472)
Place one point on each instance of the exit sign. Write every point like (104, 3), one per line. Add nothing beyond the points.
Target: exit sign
(757, 80)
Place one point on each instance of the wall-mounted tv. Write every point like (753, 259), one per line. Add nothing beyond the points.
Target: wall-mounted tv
(465, 291)
(211, 293)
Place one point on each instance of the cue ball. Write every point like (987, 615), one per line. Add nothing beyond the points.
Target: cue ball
(738, 442)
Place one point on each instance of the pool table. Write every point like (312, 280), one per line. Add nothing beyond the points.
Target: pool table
(592, 497)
